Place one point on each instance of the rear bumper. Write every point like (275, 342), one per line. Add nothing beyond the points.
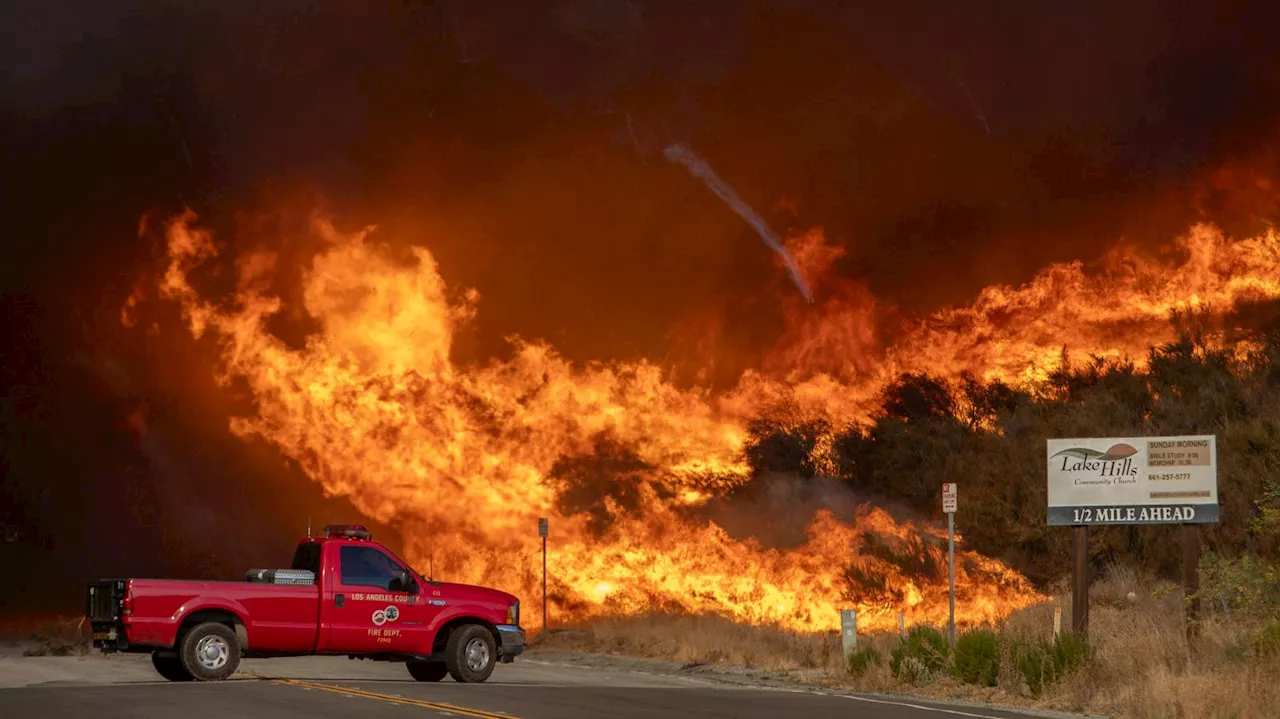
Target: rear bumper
(511, 640)
(110, 637)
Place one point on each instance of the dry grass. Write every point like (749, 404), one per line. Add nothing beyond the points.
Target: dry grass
(693, 640)
(52, 637)
(1143, 667)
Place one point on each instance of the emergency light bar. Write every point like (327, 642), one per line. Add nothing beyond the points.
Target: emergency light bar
(349, 531)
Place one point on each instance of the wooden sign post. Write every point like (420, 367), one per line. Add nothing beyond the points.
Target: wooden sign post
(1080, 581)
(1191, 578)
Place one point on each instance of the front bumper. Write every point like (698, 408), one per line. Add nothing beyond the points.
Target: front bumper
(511, 641)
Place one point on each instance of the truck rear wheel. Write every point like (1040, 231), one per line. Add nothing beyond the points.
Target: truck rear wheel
(427, 671)
(210, 652)
(470, 653)
(169, 666)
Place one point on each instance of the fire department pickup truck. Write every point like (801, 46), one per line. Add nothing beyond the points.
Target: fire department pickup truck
(344, 595)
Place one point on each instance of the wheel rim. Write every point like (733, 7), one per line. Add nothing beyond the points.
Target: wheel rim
(477, 654)
(212, 652)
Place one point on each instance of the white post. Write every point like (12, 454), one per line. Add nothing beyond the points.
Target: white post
(849, 631)
(1057, 620)
(902, 624)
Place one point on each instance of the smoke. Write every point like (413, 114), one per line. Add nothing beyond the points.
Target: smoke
(701, 170)
(944, 148)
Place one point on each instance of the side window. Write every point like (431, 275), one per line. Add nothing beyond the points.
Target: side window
(367, 567)
(307, 557)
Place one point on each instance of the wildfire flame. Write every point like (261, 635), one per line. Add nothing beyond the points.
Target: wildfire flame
(464, 460)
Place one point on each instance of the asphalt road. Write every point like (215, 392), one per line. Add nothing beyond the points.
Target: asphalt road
(316, 687)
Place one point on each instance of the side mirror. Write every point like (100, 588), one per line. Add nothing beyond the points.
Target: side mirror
(404, 583)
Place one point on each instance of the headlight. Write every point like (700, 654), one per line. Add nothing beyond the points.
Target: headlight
(513, 614)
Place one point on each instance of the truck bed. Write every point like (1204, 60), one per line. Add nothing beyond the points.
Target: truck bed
(282, 617)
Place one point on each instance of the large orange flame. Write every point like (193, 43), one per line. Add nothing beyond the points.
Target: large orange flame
(464, 461)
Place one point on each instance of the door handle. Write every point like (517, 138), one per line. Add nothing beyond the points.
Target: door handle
(338, 600)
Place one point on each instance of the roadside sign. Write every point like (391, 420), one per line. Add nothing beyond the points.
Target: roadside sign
(1133, 480)
(949, 497)
(542, 527)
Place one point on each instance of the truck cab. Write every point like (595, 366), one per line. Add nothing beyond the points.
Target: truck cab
(343, 594)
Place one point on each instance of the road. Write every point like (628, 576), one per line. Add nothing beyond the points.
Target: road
(315, 687)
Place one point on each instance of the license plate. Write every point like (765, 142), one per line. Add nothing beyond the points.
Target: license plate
(105, 635)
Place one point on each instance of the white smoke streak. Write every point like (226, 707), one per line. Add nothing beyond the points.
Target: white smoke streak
(700, 169)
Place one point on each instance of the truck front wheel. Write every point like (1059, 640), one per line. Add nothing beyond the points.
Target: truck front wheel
(470, 653)
(427, 671)
(169, 666)
(210, 652)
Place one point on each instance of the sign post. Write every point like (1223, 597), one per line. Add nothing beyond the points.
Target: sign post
(949, 506)
(1133, 480)
(1080, 580)
(542, 532)
(1191, 578)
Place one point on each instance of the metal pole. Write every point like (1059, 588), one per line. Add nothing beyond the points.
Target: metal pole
(544, 584)
(951, 556)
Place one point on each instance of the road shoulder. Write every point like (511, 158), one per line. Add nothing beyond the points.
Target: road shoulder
(815, 681)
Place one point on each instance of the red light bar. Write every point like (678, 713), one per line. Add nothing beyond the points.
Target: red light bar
(349, 531)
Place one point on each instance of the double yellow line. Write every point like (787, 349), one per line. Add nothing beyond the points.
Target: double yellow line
(345, 691)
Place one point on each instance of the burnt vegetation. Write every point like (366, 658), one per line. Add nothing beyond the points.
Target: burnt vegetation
(611, 478)
(990, 438)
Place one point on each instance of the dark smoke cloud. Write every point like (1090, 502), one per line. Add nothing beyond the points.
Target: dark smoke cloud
(945, 146)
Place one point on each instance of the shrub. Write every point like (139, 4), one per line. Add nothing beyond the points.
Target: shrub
(1241, 586)
(863, 659)
(1030, 659)
(1043, 662)
(920, 656)
(1069, 650)
(977, 657)
(1267, 642)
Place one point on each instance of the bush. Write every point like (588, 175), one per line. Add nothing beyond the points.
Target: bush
(977, 657)
(1242, 586)
(1267, 643)
(1069, 651)
(920, 656)
(863, 659)
(1030, 659)
(1043, 662)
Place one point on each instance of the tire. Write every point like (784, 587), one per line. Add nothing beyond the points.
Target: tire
(470, 653)
(210, 652)
(427, 671)
(169, 666)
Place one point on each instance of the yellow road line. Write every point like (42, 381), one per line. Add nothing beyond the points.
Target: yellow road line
(347, 691)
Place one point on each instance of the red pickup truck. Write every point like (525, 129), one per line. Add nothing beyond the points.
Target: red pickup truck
(344, 595)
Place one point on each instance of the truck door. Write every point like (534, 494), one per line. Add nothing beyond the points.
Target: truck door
(370, 614)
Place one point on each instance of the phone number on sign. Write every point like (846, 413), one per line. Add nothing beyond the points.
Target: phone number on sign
(1167, 477)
